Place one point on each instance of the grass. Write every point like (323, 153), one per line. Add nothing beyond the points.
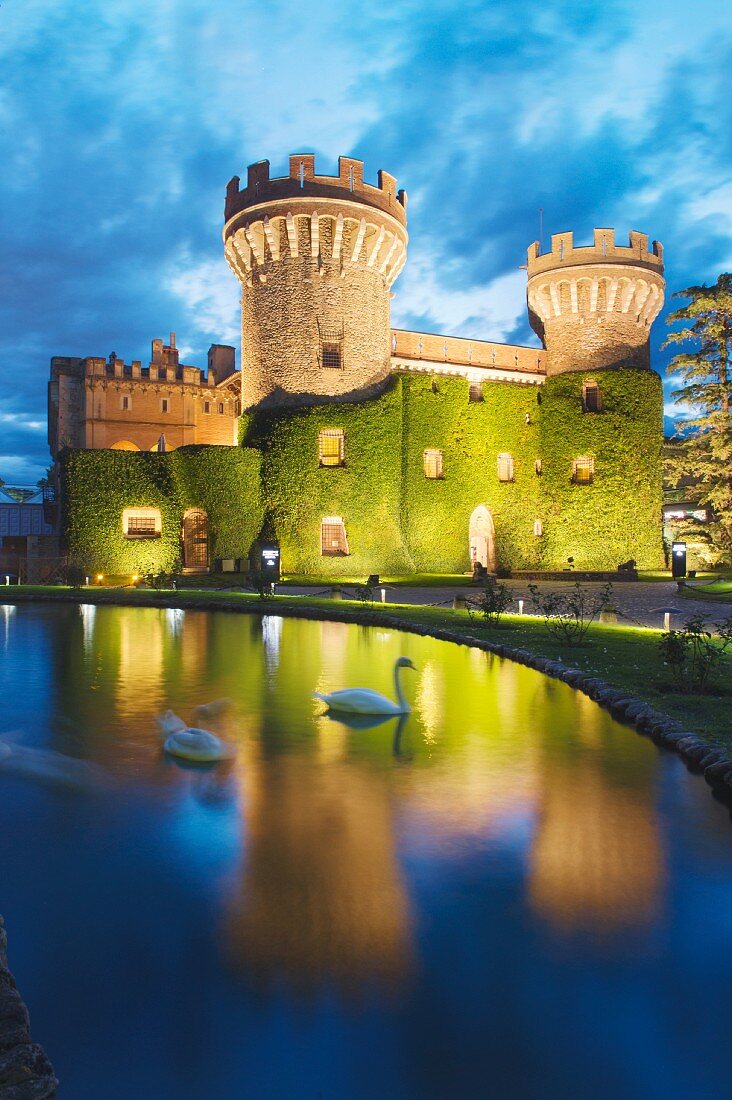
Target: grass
(629, 658)
(716, 590)
(410, 580)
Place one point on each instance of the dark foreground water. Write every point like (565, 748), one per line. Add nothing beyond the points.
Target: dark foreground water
(510, 896)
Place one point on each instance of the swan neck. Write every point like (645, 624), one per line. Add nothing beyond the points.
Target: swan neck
(401, 698)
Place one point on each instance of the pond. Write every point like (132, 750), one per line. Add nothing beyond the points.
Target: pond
(507, 894)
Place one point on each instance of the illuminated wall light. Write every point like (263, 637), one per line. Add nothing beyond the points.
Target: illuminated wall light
(383, 595)
(521, 607)
(100, 576)
(7, 579)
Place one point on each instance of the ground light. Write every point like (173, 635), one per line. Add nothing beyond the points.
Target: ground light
(667, 613)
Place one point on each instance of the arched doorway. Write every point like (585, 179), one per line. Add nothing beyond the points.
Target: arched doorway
(482, 536)
(124, 445)
(195, 541)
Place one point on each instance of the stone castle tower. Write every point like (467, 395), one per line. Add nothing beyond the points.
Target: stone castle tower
(593, 307)
(316, 257)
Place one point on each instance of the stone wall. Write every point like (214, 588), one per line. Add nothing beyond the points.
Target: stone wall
(25, 1071)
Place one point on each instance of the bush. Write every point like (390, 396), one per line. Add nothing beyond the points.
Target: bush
(492, 603)
(568, 614)
(694, 653)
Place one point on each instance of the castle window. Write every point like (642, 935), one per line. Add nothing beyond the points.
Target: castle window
(476, 391)
(432, 463)
(583, 470)
(237, 408)
(125, 402)
(331, 447)
(333, 541)
(330, 354)
(538, 528)
(221, 408)
(164, 404)
(505, 467)
(207, 406)
(141, 523)
(162, 373)
(591, 398)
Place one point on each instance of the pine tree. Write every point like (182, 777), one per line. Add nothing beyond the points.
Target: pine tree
(704, 457)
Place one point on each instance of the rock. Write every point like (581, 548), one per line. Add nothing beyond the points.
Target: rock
(716, 773)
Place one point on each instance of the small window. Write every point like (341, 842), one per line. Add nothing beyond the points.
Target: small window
(333, 541)
(538, 528)
(162, 373)
(476, 391)
(141, 523)
(237, 408)
(432, 463)
(125, 402)
(331, 447)
(505, 467)
(221, 408)
(583, 470)
(207, 406)
(164, 404)
(591, 397)
(331, 356)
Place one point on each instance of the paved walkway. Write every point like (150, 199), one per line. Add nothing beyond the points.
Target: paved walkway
(637, 601)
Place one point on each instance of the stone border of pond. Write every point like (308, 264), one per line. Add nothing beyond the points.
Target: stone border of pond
(25, 1071)
(715, 763)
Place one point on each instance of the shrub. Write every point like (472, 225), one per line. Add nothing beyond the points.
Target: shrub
(694, 653)
(568, 614)
(492, 602)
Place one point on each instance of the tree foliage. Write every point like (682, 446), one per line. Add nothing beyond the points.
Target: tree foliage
(704, 458)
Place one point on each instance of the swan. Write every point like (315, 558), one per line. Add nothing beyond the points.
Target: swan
(189, 742)
(365, 701)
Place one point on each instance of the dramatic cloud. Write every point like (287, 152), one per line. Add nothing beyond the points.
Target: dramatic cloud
(121, 123)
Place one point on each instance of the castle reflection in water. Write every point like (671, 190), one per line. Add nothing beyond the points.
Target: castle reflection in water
(493, 759)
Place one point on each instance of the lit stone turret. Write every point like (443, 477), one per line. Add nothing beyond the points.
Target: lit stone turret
(316, 257)
(593, 306)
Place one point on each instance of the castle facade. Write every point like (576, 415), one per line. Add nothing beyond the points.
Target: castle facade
(366, 448)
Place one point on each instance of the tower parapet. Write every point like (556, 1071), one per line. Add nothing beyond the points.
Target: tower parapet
(593, 305)
(316, 257)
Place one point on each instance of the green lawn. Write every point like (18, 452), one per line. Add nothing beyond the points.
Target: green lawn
(626, 657)
(716, 590)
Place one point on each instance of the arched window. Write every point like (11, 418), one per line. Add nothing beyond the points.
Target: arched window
(432, 463)
(505, 466)
(591, 397)
(583, 470)
(331, 447)
(333, 540)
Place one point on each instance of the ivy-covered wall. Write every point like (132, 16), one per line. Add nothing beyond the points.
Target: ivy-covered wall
(397, 520)
(99, 485)
(618, 516)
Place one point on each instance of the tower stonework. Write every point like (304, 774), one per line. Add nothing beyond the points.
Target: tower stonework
(593, 306)
(316, 257)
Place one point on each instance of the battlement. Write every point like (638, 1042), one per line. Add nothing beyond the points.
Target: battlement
(604, 250)
(302, 182)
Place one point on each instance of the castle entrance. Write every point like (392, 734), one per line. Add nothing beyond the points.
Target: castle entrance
(482, 538)
(195, 541)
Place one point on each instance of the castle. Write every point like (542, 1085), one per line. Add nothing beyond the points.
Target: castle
(364, 448)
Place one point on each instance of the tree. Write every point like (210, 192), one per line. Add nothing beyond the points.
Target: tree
(704, 457)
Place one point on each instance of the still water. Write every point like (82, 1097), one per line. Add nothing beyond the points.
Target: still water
(510, 895)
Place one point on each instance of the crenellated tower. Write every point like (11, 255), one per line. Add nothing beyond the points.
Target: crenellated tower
(593, 306)
(316, 257)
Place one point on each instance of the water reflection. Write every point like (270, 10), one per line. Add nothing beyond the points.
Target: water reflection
(7, 610)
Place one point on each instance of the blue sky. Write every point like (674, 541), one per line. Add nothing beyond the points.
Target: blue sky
(121, 122)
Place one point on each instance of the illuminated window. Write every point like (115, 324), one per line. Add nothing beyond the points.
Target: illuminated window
(330, 355)
(221, 408)
(505, 467)
(476, 391)
(164, 404)
(591, 397)
(141, 523)
(432, 463)
(333, 541)
(583, 470)
(331, 447)
(125, 402)
(538, 528)
(207, 406)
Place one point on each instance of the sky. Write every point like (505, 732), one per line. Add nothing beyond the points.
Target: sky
(121, 123)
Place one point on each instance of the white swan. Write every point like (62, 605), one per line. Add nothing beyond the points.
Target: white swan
(191, 743)
(365, 701)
